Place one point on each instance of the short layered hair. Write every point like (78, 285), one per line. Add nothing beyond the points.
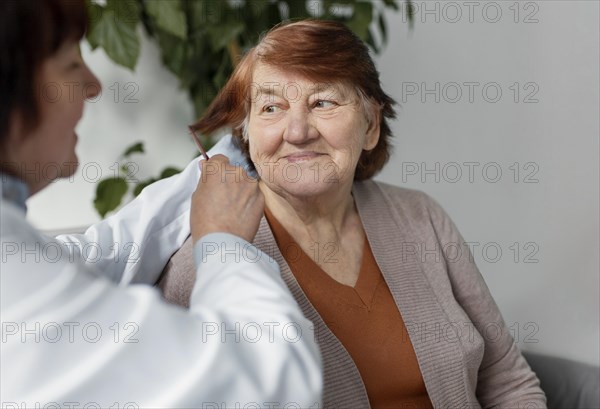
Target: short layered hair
(30, 32)
(321, 51)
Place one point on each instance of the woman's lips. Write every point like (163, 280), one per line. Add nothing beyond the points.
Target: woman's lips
(302, 156)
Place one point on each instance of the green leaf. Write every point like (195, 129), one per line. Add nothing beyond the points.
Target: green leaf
(109, 194)
(220, 35)
(383, 28)
(126, 11)
(202, 95)
(361, 19)
(410, 13)
(114, 29)
(257, 7)
(174, 54)
(168, 16)
(95, 12)
(392, 4)
(200, 13)
(223, 72)
(168, 172)
(297, 9)
(135, 148)
(370, 40)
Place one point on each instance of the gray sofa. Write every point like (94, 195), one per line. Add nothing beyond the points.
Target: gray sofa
(567, 384)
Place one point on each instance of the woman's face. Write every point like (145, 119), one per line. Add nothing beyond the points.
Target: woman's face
(46, 153)
(306, 138)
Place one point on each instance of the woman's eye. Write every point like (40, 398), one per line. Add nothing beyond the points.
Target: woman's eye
(324, 104)
(270, 109)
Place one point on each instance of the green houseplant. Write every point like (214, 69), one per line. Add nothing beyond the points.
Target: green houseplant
(200, 42)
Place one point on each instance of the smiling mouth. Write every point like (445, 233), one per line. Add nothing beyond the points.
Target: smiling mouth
(302, 156)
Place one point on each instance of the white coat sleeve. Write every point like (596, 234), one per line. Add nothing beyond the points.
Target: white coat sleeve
(135, 244)
(71, 338)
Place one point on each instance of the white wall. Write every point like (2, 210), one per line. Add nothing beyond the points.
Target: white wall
(550, 303)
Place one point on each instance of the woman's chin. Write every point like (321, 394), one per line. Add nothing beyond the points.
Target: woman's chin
(306, 189)
(69, 167)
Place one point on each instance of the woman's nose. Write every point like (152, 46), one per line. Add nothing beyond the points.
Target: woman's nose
(300, 129)
(92, 87)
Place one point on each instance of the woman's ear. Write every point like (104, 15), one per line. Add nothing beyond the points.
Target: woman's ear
(373, 130)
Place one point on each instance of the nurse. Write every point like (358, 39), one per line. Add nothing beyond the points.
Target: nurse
(70, 335)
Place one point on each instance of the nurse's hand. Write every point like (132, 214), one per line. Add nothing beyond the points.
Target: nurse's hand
(226, 200)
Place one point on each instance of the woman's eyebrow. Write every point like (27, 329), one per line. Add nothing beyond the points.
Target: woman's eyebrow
(260, 93)
(322, 90)
(270, 88)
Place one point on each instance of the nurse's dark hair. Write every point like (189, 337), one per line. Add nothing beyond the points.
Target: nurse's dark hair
(30, 32)
(322, 51)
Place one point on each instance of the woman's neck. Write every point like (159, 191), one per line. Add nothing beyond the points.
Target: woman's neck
(322, 218)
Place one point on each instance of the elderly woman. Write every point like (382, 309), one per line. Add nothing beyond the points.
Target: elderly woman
(401, 313)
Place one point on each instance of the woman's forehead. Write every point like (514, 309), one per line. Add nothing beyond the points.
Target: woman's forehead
(270, 80)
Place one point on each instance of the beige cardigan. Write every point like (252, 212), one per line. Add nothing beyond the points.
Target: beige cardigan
(465, 351)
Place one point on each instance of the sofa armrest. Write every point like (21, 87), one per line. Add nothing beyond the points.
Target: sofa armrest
(568, 384)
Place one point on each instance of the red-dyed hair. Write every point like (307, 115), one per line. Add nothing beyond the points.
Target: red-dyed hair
(322, 51)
